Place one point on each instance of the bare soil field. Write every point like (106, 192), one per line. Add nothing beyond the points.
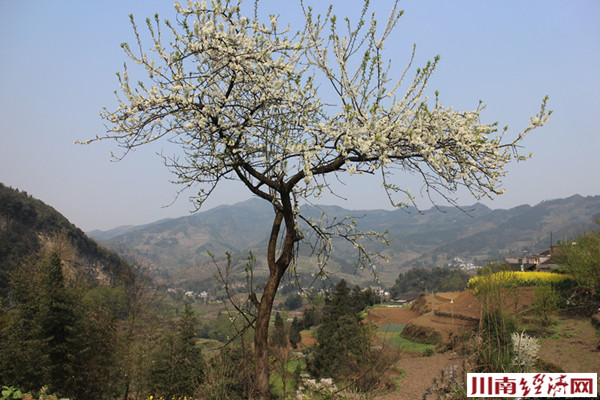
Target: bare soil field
(573, 348)
(308, 340)
(418, 375)
(390, 315)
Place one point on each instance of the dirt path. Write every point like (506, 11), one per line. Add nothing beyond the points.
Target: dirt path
(419, 374)
(574, 336)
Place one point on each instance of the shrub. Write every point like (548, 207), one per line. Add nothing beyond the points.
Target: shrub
(10, 392)
(421, 334)
(429, 352)
(546, 301)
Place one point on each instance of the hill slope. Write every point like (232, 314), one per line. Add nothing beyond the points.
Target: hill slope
(27, 224)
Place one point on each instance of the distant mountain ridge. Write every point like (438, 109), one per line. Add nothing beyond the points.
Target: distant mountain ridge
(433, 237)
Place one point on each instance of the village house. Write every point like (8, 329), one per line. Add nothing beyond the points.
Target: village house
(543, 262)
(406, 298)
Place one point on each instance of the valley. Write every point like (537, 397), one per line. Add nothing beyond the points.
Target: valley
(179, 288)
(177, 250)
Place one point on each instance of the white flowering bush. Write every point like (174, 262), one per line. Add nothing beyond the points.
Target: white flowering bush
(239, 98)
(525, 349)
(323, 389)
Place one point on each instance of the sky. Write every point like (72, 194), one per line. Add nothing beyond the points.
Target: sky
(59, 58)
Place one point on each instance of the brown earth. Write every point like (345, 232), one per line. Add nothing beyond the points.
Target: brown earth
(418, 374)
(308, 340)
(390, 315)
(454, 312)
(573, 348)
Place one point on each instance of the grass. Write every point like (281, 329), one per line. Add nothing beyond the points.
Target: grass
(276, 383)
(388, 305)
(390, 334)
(391, 328)
(400, 343)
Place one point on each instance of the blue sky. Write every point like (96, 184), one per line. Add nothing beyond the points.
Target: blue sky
(59, 60)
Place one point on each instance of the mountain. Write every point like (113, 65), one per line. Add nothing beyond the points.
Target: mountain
(430, 238)
(525, 229)
(28, 225)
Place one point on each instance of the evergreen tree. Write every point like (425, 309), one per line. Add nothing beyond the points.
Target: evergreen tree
(178, 365)
(279, 337)
(293, 301)
(343, 341)
(58, 331)
(436, 279)
(310, 317)
(44, 332)
(52, 339)
(295, 336)
(99, 356)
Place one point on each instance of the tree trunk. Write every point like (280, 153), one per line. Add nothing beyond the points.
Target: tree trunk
(276, 270)
(261, 340)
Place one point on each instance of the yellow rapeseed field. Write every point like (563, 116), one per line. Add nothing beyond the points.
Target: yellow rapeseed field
(516, 279)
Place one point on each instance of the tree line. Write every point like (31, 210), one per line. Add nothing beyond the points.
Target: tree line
(102, 342)
(435, 279)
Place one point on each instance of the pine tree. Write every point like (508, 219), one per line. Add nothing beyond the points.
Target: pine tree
(279, 336)
(58, 331)
(343, 341)
(52, 339)
(178, 365)
(295, 336)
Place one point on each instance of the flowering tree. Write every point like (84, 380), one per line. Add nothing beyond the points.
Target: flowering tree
(240, 99)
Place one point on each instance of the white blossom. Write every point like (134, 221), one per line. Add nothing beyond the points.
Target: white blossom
(240, 98)
(525, 349)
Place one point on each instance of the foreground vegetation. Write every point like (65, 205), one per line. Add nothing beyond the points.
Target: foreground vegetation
(62, 336)
(84, 342)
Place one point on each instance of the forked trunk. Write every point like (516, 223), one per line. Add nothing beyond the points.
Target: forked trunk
(277, 268)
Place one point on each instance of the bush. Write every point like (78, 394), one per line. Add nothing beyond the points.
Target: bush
(429, 352)
(421, 334)
(525, 349)
(546, 301)
(10, 392)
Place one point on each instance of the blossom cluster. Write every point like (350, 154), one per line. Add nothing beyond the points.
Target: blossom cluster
(525, 349)
(239, 97)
